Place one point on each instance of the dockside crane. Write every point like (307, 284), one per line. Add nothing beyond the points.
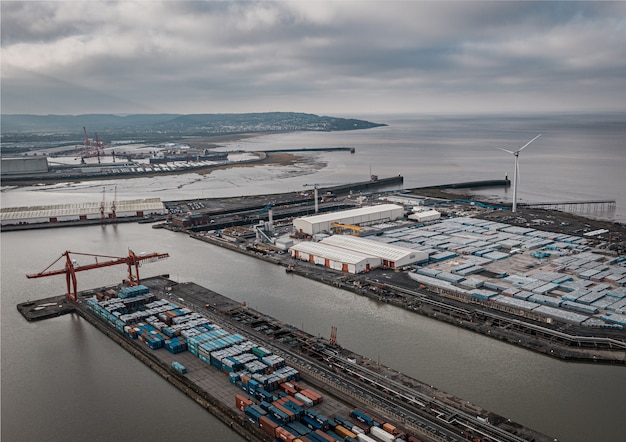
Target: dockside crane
(91, 148)
(71, 267)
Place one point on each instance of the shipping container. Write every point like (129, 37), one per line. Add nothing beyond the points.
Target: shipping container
(315, 437)
(287, 389)
(334, 436)
(299, 428)
(253, 414)
(323, 420)
(344, 432)
(242, 402)
(365, 438)
(268, 425)
(324, 436)
(180, 368)
(311, 423)
(381, 434)
(358, 427)
(279, 414)
(362, 417)
(389, 428)
(307, 402)
(295, 401)
(291, 416)
(298, 411)
(315, 397)
(284, 435)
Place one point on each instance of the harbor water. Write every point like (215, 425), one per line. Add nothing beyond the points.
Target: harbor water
(63, 380)
(577, 158)
(72, 380)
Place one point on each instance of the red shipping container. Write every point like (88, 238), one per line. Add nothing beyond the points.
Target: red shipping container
(325, 436)
(315, 397)
(295, 401)
(285, 435)
(287, 389)
(268, 425)
(242, 402)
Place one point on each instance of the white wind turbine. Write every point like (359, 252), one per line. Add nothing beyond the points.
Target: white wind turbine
(516, 170)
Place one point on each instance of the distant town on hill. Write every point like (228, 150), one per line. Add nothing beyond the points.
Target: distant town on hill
(43, 129)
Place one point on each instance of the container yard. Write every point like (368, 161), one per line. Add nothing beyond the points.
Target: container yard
(271, 381)
(513, 282)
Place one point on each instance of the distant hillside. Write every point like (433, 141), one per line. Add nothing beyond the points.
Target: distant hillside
(176, 124)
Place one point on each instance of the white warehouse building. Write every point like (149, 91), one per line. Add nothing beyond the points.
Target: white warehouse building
(355, 255)
(80, 211)
(323, 222)
(334, 257)
(391, 256)
(424, 215)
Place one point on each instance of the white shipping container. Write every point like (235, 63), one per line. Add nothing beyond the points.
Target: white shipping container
(381, 434)
(302, 398)
(362, 437)
(357, 430)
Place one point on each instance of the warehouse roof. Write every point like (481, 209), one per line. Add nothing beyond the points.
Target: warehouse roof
(328, 251)
(389, 252)
(329, 217)
(90, 208)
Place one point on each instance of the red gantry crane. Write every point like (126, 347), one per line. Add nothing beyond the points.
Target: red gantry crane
(72, 267)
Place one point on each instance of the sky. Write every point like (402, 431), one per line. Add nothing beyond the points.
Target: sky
(337, 57)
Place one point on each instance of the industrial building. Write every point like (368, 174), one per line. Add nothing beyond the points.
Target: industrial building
(17, 166)
(392, 255)
(422, 216)
(362, 216)
(81, 211)
(355, 255)
(335, 258)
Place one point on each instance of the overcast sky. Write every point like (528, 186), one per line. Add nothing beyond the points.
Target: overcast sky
(330, 58)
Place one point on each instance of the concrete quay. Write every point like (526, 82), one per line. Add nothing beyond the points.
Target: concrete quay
(347, 380)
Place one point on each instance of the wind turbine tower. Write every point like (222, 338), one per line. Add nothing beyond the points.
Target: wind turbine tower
(516, 170)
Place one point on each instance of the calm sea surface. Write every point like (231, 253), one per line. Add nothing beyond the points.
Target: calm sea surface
(63, 380)
(577, 158)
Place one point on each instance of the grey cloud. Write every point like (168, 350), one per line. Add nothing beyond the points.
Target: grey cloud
(244, 56)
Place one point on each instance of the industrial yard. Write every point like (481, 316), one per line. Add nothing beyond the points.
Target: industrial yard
(562, 281)
(554, 292)
(269, 379)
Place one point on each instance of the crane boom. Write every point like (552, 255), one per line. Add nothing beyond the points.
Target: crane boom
(71, 267)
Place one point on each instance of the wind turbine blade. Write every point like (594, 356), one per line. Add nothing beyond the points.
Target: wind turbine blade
(508, 151)
(519, 178)
(528, 143)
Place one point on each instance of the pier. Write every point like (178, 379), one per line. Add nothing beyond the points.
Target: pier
(588, 206)
(313, 149)
(346, 380)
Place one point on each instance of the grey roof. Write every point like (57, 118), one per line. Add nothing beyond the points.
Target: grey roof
(331, 252)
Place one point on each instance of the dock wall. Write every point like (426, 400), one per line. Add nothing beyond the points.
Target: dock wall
(236, 421)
